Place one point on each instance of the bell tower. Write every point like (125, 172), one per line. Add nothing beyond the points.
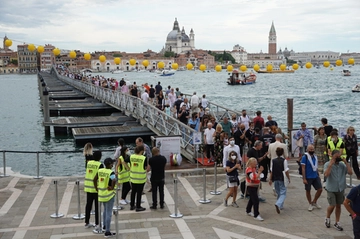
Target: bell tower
(272, 40)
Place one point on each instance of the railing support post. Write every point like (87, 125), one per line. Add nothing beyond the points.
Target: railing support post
(176, 214)
(79, 216)
(204, 200)
(38, 166)
(56, 214)
(4, 165)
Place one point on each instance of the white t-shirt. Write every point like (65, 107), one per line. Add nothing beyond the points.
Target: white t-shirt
(244, 120)
(187, 105)
(208, 133)
(194, 101)
(145, 97)
(204, 103)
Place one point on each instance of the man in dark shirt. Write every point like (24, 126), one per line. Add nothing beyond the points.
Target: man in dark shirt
(183, 115)
(327, 128)
(157, 166)
(270, 122)
(267, 139)
(158, 88)
(239, 137)
(249, 133)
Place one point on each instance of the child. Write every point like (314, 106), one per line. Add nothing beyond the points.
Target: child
(226, 139)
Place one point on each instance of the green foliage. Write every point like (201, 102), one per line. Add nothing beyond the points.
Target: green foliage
(13, 61)
(169, 54)
(289, 62)
(224, 57)
(117, 55)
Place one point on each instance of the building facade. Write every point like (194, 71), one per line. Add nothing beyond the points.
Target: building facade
(178, 41)
(272, 40)
(315, 57)
(27, 60)
(346, 56)
(47, 58)
(239, 54)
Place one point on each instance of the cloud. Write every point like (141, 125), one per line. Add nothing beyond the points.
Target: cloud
(139, 25)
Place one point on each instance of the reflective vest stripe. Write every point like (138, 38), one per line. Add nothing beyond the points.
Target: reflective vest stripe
(137, 171)
(337, 146)
(124, 175)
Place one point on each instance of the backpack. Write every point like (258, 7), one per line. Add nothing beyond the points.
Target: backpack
(300, 168)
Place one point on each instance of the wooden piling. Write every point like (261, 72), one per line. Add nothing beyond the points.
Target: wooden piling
(46, 111)
(290, 119)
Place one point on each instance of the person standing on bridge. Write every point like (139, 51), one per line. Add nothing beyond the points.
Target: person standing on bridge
(158, 88)
(194, 103)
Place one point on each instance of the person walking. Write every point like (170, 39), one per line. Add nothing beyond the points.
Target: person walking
(352, 205)
(122, 171)
(92, 168)
(157, 165)
(310, 175)
(304, 135)
(351, 146)
(232, 167)
(320, 147)
(104, 182)
(335, 172)
(278, 168)
(252, 185)
(138, 165)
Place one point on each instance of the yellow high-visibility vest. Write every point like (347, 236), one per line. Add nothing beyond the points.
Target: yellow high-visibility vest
(92, 168)
(124, 175)
(104, 194)
(137, 171)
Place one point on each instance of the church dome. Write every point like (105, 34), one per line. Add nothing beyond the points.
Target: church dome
(172, 35)
(184, 37)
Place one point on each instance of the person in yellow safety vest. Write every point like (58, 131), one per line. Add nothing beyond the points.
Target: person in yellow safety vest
(92, 168)
(336, 143)
(138, 165)
(104, 182)
(122, 171)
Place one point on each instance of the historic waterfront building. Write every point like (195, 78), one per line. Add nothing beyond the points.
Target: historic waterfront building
(239, 54)
(315, 57)
(47, 58)
(272, 40)
(27, 60)
(178, 41)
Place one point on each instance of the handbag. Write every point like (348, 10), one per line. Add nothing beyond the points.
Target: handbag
(233, 179)
(300, 142)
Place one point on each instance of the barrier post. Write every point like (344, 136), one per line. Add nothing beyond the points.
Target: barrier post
(79, 216)
(350, 184)
(176, 214)
(204, 200)
(56, 214)
(38, 166)
(4, 164)
(215, 192)
(99, 228)
(116, 205)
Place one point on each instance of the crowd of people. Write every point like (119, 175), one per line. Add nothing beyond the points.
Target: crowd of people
(225, 143)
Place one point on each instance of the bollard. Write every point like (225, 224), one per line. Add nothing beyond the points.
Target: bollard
(350, 185)
(56, 214)
(4, 164)
(116, 205)
(176, 214)
(38, 166)
(115, 212)
(79, 216)
(99, 228)
(215, 192)
(204, 200)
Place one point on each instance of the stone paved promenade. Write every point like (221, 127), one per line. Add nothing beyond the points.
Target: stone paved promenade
(26, 205)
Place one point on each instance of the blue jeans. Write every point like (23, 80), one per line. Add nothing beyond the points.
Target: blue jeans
(108, 206)
(281, 193)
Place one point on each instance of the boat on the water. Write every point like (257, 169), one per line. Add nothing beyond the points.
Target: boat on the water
(346, 72)
(241, 78)
(276, 71)
(356, 88)
(117, 71)
(167, 73)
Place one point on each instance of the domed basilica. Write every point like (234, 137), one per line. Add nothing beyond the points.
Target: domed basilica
(177, 41)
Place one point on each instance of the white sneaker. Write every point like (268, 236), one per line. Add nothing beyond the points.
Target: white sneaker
(317, 205)
(250, 214)
(122, 202)
(311, 207)
(127, 201)
(259, 218)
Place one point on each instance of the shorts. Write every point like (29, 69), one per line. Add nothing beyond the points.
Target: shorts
(231, 185)
(335, 198)
(315, 182)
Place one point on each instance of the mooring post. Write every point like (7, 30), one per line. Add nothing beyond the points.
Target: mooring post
(290, 115)
(46, 111)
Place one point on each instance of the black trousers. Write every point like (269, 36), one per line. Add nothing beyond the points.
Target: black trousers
(209, 149)
(155, 185)
(355, 164)
(90, 198)
(253, 201)
(126, 187)
(266, 164)
(136, 190)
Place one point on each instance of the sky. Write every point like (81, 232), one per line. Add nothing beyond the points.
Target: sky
(139, 25)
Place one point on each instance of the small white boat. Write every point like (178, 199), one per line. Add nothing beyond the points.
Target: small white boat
(167, 73)
(356, 88)
(346, 73)
(117, 71)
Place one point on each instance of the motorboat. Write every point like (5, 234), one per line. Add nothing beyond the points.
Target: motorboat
(346, 72)
(167, 73)
(356, 88)
(241, 78)
(117, 71)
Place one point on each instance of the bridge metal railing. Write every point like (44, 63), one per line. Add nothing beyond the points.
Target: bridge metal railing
(146, 114)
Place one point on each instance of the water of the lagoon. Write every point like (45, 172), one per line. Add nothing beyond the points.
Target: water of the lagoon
(317, 93)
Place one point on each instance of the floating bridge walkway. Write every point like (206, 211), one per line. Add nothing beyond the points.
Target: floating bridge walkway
(146, 114)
